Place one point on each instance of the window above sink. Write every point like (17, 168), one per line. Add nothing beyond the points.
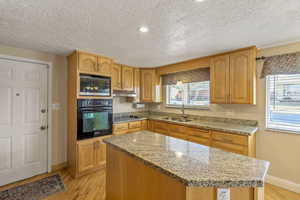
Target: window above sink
(194, 95)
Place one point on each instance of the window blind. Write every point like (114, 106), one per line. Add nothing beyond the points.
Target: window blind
(283, 102)
(197, 75)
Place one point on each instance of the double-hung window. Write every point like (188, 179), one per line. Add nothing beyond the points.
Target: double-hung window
(195, 94)
(283, 102)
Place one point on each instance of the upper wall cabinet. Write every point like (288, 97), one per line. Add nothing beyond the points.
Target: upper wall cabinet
(233, 77)
(93, 64)
(116, 78)
(127, 78)
(219, 77)
(150, 86)
(122, 77)
(87, 63)
(137, 84)
(104, 66)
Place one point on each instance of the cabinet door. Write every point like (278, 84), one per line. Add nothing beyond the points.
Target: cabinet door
(100, 153)
(160, 127)
(219, 78)
(177, 131)
(230, 147)
(87, 63)
(116, 77)
(147, 85)
(127, 78)
(86, 159)
(144, 124)
(120, 128)
(137, 81)
(104, 66)
(242, 76)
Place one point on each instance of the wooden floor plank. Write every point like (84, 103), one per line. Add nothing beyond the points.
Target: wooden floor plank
(92, 187)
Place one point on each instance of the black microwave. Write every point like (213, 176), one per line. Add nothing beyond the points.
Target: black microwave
(92, 85)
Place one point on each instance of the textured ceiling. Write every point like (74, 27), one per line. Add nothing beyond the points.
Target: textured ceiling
(179, 29)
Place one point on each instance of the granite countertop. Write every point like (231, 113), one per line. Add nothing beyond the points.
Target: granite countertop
(127, 119)
(190, 163)
(227, 126)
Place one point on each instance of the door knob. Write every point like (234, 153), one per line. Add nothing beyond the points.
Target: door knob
(43, 128)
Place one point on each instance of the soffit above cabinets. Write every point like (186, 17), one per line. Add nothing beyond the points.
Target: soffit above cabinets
(178, 30)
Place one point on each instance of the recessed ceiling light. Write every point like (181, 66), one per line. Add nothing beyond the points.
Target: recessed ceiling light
(144, 29)
(199, 0)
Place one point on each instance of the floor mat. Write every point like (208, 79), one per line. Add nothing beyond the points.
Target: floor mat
(35, 190)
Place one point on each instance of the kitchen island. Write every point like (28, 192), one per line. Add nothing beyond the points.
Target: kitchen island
(146, 165)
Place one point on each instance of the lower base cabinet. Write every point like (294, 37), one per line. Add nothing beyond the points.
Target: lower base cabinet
(91, 155)
(241, 144)
(129, 127)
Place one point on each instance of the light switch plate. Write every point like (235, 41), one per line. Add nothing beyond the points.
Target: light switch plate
(56, 106)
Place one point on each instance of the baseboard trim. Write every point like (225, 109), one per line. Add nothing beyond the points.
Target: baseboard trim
(286, 184)
(59, 166)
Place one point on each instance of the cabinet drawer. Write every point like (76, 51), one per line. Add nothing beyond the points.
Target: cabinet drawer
(199, 140)
(135, 125)
(198, 132)
(118, 127)
(230, 138)
(234, 148)
(160, 127)
(176, 129)
(178, 135)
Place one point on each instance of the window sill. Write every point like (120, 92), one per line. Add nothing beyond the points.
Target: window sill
(188, 107)
(281, 130)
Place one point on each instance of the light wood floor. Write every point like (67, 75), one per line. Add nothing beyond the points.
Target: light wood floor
(92, 187)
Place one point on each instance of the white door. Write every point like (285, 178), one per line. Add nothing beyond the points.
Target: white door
(23, 104)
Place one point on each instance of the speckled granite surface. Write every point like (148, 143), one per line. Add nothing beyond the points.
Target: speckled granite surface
(237, 126)
(213, 125)
(190, 163)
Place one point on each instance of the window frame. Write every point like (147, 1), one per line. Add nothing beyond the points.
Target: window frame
(272, 126)
(187, 106)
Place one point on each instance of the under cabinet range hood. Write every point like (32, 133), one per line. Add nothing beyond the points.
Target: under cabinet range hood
(123, 93)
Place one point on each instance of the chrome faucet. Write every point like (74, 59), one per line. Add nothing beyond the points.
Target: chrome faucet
(183, 112)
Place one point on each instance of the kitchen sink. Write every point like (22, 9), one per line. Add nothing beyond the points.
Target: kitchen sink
(177, 119)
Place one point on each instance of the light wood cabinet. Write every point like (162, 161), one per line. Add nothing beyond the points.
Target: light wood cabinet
(127, 78)
(92, 64)
(233, 77)
(150, 86)
(199, 136)
(177, 131)
(87, 63)
(136, 85)
(104, 66)
(122, 77)
(120, 128)
(91, 155)
(86, 160)
(144, 124)
(219, 77)
(116, 82)
(241, 144)
(231, 142)
(100, 153)
(129, 127)
(160, 127)
(242, 77)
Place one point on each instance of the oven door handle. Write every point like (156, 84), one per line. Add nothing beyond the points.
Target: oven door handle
(96, 110)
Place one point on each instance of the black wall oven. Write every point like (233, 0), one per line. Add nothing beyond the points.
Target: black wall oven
(94, 118)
